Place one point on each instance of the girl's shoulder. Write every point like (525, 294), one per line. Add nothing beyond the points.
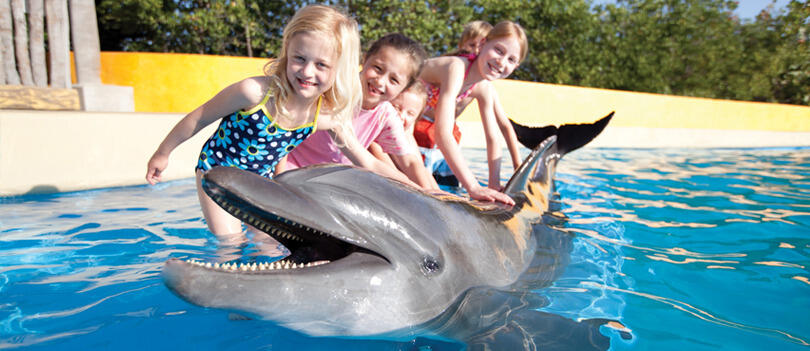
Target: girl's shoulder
(445, 61)
(439, 69)
(483, 90)
(253, 89)
(386, 111)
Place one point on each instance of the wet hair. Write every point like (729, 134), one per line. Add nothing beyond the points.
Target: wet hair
(416, 53)
(342, 99)
(506, 29)
(473, 30)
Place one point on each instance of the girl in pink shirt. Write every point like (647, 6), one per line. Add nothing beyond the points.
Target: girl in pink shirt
(391, 64)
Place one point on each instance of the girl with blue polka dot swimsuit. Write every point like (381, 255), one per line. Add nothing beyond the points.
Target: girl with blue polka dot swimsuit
(253, 141)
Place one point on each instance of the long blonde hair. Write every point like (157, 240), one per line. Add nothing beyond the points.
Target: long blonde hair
(505, 29)
(343, 98)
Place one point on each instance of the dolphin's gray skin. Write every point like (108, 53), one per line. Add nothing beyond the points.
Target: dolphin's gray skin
(398, 262)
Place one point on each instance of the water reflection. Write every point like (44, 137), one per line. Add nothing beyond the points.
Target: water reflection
(721, 229)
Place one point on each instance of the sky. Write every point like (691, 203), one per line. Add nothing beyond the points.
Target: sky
(750, 8)
(746, 8)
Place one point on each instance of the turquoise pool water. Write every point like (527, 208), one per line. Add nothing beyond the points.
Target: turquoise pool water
(688, 249)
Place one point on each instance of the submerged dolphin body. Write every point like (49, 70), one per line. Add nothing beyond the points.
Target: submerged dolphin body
(371, 256)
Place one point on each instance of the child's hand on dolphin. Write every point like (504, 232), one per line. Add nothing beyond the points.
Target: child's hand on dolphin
(486, 194)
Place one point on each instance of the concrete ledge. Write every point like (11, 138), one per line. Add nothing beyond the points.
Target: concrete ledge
(43, 152)
(106, 97)
(46, 151)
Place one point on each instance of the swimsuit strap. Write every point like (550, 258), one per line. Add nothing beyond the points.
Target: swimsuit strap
(471, 58)
(266, 98)
(317, 113)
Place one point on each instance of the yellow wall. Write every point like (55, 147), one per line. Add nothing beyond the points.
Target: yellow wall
(181, 82)
(175, 82)
(541, 104)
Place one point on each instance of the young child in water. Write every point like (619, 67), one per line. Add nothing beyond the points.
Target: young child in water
(312, 86)
(391, 64)
(452, 83)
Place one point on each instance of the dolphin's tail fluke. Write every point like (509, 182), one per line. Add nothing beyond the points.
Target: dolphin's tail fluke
(550, 143)
(569, 136)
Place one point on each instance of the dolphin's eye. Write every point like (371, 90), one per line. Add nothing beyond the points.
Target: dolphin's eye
(430, 265)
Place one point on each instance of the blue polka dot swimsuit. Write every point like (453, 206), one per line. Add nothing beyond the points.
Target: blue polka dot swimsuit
(250, 140)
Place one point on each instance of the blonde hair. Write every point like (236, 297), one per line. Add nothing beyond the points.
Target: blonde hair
(474, 30)
(506, 29)
(342, 99)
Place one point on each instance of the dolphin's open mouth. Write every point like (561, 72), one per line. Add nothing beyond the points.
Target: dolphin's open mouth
(309, 247)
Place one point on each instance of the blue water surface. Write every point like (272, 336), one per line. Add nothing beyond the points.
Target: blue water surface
(685, 249)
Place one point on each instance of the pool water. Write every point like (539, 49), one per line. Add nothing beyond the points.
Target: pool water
(688, 249)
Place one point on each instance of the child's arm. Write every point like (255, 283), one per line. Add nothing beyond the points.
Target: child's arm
(351, 147)
(451, 78)
(486, 109)
(413, 166)
(377, 150)
(402, 148)
(507, 130)
(235, 97)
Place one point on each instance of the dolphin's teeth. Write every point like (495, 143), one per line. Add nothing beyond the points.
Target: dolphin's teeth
(216, 265)
(208, 265)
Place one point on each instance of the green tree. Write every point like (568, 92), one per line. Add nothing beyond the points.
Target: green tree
(684, 47)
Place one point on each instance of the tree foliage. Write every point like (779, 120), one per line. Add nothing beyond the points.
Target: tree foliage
(684, 47)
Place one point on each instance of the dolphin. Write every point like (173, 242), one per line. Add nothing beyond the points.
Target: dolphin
(371, 256)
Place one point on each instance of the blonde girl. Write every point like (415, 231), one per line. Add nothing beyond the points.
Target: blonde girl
(452, 83)
(313, 85)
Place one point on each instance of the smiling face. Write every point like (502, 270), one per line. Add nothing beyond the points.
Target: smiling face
(385, 74)
(310, 64)
(499, 58)
(410, 105)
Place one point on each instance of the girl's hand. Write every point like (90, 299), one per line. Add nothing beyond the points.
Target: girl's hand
(155, 167)
(487, 194)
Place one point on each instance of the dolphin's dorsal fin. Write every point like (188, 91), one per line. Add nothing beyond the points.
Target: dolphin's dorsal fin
(533, 169)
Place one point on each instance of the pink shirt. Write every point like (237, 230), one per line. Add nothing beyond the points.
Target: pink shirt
(381, 124)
